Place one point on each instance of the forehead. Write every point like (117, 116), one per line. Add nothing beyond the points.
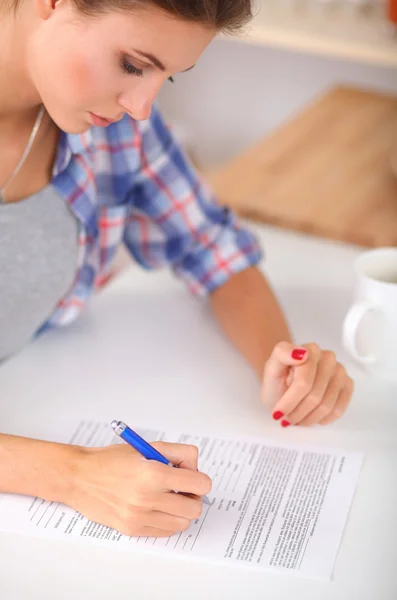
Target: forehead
(177, 43)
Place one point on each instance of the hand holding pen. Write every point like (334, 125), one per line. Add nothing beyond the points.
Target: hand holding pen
(143, 447)
(116, 486)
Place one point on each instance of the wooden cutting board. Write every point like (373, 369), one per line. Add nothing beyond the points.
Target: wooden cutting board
(328, 171)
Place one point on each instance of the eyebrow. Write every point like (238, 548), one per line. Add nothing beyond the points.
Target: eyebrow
(156, 62)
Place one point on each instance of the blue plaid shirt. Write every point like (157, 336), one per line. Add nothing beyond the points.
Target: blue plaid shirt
(131, 183)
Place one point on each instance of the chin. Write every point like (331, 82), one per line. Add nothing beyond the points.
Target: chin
(75, 128)
(78, 129)
(70, 125)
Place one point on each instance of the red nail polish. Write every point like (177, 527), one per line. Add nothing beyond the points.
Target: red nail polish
(298, 353)
(285, 423)
(277, 415)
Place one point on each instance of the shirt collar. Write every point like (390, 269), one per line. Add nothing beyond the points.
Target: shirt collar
(72, 144)
(81, 143)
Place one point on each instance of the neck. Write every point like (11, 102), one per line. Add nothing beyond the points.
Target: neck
(19, 99)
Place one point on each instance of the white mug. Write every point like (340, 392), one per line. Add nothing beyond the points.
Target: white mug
(370, 326)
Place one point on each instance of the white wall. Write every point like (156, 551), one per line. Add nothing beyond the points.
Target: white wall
(237, 93)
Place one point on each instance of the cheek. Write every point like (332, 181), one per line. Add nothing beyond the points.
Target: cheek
(81, 80)
(62, 79)
(73, 81)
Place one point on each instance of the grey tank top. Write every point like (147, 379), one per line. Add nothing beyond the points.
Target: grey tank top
(38, 261)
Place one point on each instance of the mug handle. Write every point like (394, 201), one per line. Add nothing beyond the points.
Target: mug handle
(351, 326)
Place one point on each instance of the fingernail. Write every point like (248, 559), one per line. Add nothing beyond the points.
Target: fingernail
(277, 415)
(285, 423)
(298, 353)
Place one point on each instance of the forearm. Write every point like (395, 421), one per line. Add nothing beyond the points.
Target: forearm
(250, 315)
(36, 468)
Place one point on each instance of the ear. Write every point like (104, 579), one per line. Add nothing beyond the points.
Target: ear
(46, 8)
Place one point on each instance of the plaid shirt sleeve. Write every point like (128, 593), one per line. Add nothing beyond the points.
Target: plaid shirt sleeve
(175, 219)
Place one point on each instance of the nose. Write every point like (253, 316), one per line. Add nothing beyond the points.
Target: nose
(138, 102)
(139, 113)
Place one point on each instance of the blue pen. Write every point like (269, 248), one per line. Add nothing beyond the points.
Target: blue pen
(143, 447)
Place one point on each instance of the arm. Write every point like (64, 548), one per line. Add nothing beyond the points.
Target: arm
(305, 385)
(36, 468)
(175, 219)
(250, 315)
(113, 485)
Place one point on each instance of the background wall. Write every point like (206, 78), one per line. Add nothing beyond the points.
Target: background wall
(238, 92)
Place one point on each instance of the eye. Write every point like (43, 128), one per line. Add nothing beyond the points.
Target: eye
(130, 69)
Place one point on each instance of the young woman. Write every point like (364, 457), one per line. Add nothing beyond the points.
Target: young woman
(87, 164)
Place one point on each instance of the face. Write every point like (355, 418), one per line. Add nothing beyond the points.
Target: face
(116, 63)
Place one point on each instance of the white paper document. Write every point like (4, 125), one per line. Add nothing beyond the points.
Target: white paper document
(274, 506)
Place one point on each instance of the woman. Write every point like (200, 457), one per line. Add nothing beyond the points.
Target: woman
(87, 164)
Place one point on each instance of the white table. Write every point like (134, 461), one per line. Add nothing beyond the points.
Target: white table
(148, 353)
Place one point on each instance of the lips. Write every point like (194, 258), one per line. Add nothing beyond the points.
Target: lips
(100, 121)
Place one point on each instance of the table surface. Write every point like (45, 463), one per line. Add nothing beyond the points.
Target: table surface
(145, 348)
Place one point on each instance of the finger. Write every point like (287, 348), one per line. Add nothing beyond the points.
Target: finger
(324, 374)
(177, 505)
(182, 455)
(283, 356)
(185, 480)
(341, 404)
(327, 405)
(160, 520)
(153, 532)
(143, 531)
(302, 383)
